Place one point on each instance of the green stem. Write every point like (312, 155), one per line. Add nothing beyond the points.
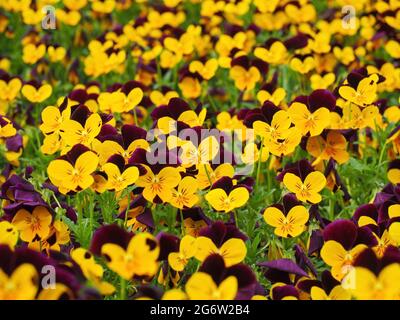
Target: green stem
(331, 208)
(236, 219)
(269, 181)
(56, 200)
(381, 155)
(122, 293)
(182, 224)
(127, 209)
(208, 175)
(259, 163)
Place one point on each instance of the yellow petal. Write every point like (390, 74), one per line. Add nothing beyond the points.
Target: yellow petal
(228, 288)
(394, 211)
(175, 261)
(292, 182)
(333, 253)
(318, 294)
(204, 247)
(169, 177)
(233, 251)
(25, 280)
(87, 163)
(216, 198)
(298, 215)
(187, 246)
(273, 216)
(200, 286)
(315, 181)
(239, 197)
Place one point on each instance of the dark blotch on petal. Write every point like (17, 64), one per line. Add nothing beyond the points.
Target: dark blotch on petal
(342, 231)
(111, 233)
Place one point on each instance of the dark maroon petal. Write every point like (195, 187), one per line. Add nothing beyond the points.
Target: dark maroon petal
(118, 160)
(138, 201)
(382, 197)
(131, 133)
(289, 201)
(280, 292)
(233, 232)
(3, 121)
(25, 195)
(268, 110)
(160, 112)
(146, 218)
(365, 236)
(246, 292)
(247, 183)
(26, 255)
(285, 265)
(194, 213)
(341, 185)
(314, 213)
(70, 212)
(79, 95)
(260, 290)
(105, 118)
(80, 114)
(108, 132)
(305, 168)
(354, 79)
(168, 243)
(303, 261)
(383, 212)
(214, 265)
(242, 61)
(275, 276)
(148, 291)
(330, 166)
(6, 172)
(316, 242)
(367, 259)
(328, 281)
(132, 84)
(177, 106)
(301, 99)
(305, 285)
(261, 65)
(243, 273)
(35, 83)
(111, 233)
(368, 210)
(224, 183)
(322, 98)
(180, 126)
(216, 232)
(20, 189)
(391, 255)
(6, 259)
(252, 116)
(13, 208)
(395, 164)
(14, 143)
(297, 42)
(342, 231)
(76, 151)
(139, 156)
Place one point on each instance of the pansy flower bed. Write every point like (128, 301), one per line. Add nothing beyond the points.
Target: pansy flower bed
(199, 149)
